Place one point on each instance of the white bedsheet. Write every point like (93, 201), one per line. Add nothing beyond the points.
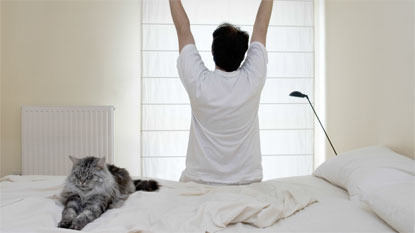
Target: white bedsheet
(29, 204)
(334, 212)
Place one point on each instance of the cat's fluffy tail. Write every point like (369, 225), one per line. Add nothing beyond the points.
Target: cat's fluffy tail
(146, 185)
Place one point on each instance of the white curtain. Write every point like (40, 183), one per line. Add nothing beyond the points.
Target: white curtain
(286, 123)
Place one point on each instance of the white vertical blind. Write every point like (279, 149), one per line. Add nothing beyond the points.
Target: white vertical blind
(286, 123)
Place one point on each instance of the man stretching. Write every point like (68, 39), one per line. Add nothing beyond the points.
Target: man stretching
(224, 146)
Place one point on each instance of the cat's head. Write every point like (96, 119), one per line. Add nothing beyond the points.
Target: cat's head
(88, 172)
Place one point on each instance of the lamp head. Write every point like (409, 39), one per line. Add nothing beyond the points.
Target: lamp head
(298, 94)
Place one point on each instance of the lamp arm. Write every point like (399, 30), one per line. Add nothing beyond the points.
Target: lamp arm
(321, 125)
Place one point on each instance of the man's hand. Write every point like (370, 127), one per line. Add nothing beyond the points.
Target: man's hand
(182, 24)
(262, 21)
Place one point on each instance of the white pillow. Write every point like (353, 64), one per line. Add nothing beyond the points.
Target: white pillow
(395, 204)
(365, 181)
(363, 170)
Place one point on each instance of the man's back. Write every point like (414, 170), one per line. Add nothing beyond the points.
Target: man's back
(224, 144)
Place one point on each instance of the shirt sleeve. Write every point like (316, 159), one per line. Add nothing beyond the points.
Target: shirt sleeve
(256, 61)
(190, 68)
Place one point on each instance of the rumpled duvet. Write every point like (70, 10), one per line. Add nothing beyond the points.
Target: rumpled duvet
(30, 204)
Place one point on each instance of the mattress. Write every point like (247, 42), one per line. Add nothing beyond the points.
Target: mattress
(30, 204)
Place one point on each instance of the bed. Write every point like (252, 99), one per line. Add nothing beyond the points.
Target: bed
(343, 195)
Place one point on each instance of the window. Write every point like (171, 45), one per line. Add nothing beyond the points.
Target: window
(286, 123)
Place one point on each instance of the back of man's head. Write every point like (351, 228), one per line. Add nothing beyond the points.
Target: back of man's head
(229, 46)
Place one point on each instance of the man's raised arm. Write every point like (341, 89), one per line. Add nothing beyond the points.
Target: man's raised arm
(181, 21)
(262, 21)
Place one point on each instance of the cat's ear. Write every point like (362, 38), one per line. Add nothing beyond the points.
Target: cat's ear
(73, 159)
(101, 162)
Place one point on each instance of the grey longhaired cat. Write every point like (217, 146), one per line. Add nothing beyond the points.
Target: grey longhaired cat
(93, 187)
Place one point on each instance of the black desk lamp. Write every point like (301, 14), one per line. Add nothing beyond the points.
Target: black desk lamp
(301, 95)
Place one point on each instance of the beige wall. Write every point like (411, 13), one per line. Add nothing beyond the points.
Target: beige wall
(70, 53)
(370, 74)
(1, 72)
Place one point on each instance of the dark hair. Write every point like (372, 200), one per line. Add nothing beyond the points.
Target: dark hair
(229, 46)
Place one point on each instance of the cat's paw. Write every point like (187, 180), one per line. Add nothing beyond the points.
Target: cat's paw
(65, 223)
(77, 224)
(76, 227)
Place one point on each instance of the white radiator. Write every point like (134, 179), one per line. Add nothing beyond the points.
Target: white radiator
(51, 134)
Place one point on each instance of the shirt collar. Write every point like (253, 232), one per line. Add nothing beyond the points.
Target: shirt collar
(227, 74)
